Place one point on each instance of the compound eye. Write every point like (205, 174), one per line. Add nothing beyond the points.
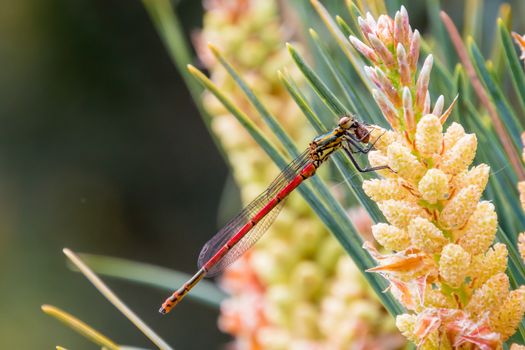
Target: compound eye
(345, 122)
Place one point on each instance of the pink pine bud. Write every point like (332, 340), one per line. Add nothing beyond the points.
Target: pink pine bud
(404, 68)
(381, 81)
(386, 107)
(384, 31)
(372, 75)
(371, 21)
(401, 28)
(381, 50)
(365, 28)
(388, 89)
(422, 82)
(446, 114)
(438, 107)
(413, 55)
(364, 49)
(426, 105)
(408, 111)
(406, 25)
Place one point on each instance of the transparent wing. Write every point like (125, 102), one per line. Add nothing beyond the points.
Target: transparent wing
(235, 224)
(246, 242)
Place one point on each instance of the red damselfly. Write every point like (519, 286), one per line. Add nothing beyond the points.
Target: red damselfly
(241, 232)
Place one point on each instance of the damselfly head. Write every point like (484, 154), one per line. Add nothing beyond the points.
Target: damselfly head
(362, 132)
(346, 122)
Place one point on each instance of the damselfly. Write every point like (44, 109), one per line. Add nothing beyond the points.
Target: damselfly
(241, 232)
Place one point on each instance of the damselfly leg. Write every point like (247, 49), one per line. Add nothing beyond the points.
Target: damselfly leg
(352, 146)
(350, 153)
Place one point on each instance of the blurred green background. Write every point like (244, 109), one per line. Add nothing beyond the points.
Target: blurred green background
(102, 151)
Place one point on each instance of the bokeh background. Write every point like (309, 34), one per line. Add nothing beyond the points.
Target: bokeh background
(102, 151)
